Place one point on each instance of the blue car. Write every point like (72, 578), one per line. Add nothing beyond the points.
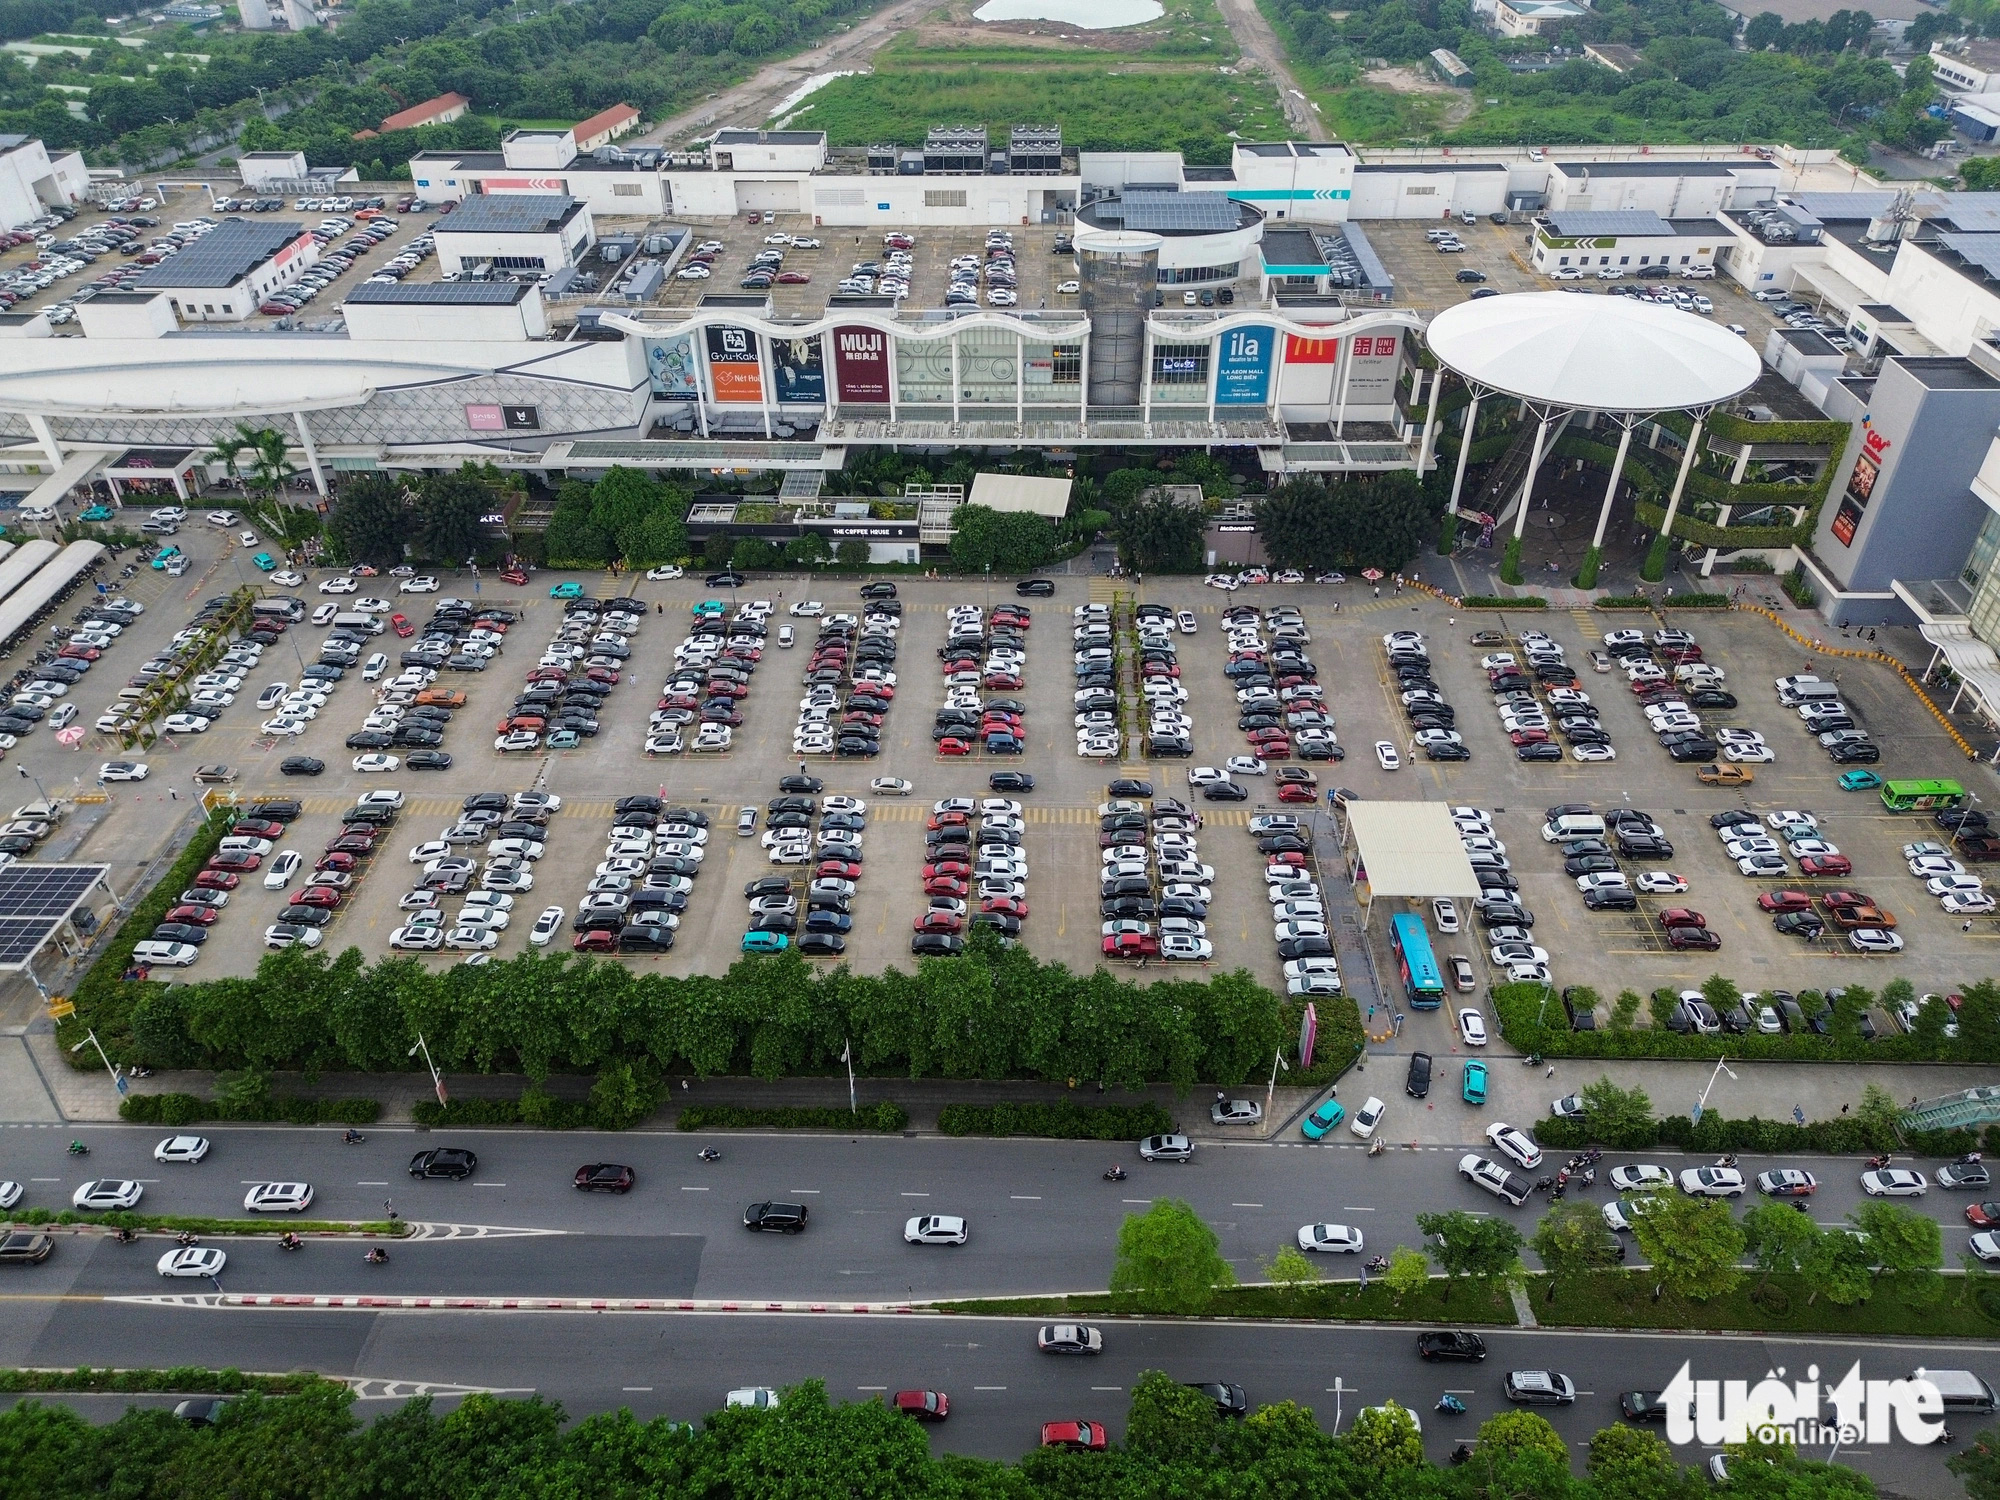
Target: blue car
(1323, 1119)
(765, 942)
(1859, 781)
(1473, 1090)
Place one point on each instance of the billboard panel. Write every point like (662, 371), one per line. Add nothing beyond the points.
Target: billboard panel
(1243, 367)
(671, 364)
(1300, 351)
(733, 372)
(798, 371)
(1371, 372)
(861, 361)
(1860, 485)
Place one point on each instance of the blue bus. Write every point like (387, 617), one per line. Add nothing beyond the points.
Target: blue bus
(1423, 985)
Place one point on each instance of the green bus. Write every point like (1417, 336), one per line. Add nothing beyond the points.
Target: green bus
(1922, 796)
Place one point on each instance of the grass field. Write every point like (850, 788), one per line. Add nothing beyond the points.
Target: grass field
(1157, 87)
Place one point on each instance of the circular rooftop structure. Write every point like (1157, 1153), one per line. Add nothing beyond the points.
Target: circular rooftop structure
(1586, 353)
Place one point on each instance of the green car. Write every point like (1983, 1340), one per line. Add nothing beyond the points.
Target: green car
(710, 607)
(765, 942)
(1859, 781)
(1323, 1119)
(97, 513)
(563, 739)
(164, 556)
(566, 591)
(265, 562)
(1473, 1090)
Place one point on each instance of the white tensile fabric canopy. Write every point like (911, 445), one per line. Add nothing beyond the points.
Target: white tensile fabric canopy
(1593, 353)
(1410, 849)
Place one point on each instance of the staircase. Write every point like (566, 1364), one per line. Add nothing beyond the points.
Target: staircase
(1501, 490)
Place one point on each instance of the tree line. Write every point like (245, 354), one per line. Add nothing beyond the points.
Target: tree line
(311, 1446)
(387, 519)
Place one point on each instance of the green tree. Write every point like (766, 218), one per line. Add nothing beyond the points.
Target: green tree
(1158, 536)
(1765, 30)
(1168, 1422)
(1388, 519)
(1621, 1118)
(1840, 1269)
(1171, 1257)
(1300, 527)
(1977, 1466)
(258, 457)
(1781, 1240)
(1660, 1004)
(1905, 1245)
(1721, 993)
(369, 521)
(1878, 1113)
(1572, 1244)
(573, 540)
(1522, 1432)
(448, 512)
(1409, 1273)
(1292, 1270)
(753, 553)
(718, 549)
(621, 503)
(1004, 541)
(1694, 1245)
(1979, 174)
(660, 538)
(1624, 1010)
(1476, 1248)
(808, 551)
(1634, 1464)
(1385, 1437)
(852, 553)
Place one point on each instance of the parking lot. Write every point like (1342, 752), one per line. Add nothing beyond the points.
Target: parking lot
(1609, 951)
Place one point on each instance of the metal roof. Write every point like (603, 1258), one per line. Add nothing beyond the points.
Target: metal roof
(1636, 223)
(508, 213)
(1195, 212)
(1592, 353)
(442, 293)
(223, 256)
(34, 901)
(1410, 849)
(1832, 207)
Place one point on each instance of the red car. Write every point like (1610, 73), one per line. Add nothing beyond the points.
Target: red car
(937, 921)
(946, 820)
(1824, 865)
(602, 674)
(80, 653)
(1294, 791)
(258, 828)
(318, 895)
(953, 747)
(1528, 736)
(944, 885)
(1845, 898)
(1296, 860)
(1086, 1435)
(352, 843)
(1693, 937)
(949, 868)
(217, 880)
(239, 862)
(1681, 916)
(1272, 749)
(595, 942)
(793, 278)
(1982, 1215)
(1775, 901)
(513, 575)
(1005, 682)
(1131, 945)
(343, 863)
(401, 625)
(925, 1406)
(1011, 906)
(837, 869)
(201, 916)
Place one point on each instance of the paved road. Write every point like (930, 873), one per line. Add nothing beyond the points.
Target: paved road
(680, 1365)
(1041, 1215)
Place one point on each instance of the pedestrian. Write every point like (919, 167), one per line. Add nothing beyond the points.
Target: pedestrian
(1378, 591)
(1845, 1107)
(1966, 925)
(659, 608)
(1551, 1072)
(173, 795)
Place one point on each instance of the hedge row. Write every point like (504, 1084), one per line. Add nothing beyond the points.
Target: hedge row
(1497, 601)
(1845, 1136)
(189, 1378)
(1062, 1122)
(187, 1109)
(103, 998)
(622, 1097)
(202, 1224)
(1625, 601)
(887, 1117)
(1696, 601)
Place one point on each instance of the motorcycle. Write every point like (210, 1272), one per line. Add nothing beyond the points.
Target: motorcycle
(353, 1138)
(1376, 1147)
(377, 1257)
(1462, 1453)
(1450, 1403)
(1114, 1174)
(186, 1240)
(139, 1070)
(1532, 1060)
(77, 1148)
(709, 1153)
(1378, 1262)
(1727, 1159)
(1547, 1184)
(290, 1241)
(1876, 1163)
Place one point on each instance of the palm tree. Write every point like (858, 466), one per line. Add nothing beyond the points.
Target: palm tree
(270, 466)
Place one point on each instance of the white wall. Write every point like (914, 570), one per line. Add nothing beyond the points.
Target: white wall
(1119, 169)
(456, 250)
(918, 202)
(1948, 309)
(1313, 189)
(29, 183)
(1669, 196)
(1426, 195)
(764, 158)
(446, 322)
(257, 168)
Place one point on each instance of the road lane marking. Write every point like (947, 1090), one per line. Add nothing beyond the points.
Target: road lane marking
(1246, 1205)
(915, 1195)
(489, 1184)
(871, 1388)
(814, 1192)
(371, 1184)
(1107, 1388)
(1025, 1197)
(694, 1190)
(989, 1387)
(635, 1388)
(1138, 1200)
(45, 1179)
(1349, 1208)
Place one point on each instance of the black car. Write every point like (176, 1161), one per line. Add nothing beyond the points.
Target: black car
(300, 765)
(826, 944)
(275, 810)
(1642, 1406)
(25, 1248)
(1418, 1084)
(1803, 924)
(1471, 275)
(1229, 1399)
(776, 1218)
(605, 1177)
(936, 944)
(1010, 781)
(877, 590)
(1305, 947)
(1506, 914)
(427, 760)
(1854, 753)
(370, 739)
(1693, 750)
(725, 580)
(1540, 750)
(1711, 698)
(1224, 791)
(1619, 898)
(1451, 1344)
(1128, 787)
(454, 1162)
(644, 938)
(1030, 588)
(1589, 864)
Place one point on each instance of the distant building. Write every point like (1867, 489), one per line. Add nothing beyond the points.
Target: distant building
(1618, 59)
(602, 129)
(254, 14)
(31, 181)
(1534, 17)
(439, 111)
(189, 14)
(1971, 67)
(1631, 242)
(1451, 68)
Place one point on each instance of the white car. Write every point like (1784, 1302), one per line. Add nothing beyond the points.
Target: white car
(1874, 940)
(757, 1397)
(288, 935)
(1711, 1182)
(340, 586)
(662, 575)
(278, 1197)
(1954, 885)
(1967, 903)
(417, 939)
(107, 1194)
(283, 868)
(1386, 756)
(1592, 753)
(1894, 1182)
(935, 1229)
(375, 761)
(1925, 866)
(196, 1260)
(185, 724)
(547, 925)
(123, 770)
(1244, 765)
(1515, 1144)
(423, 583)
(1367, 1118)
(1661, 883)
(1331, 1239)
(1642, 1177)
(188, 1148)
(1472, 1028)
(891, 786)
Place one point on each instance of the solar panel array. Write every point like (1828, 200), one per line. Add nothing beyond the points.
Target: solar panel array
(1621, 221)
(34, 901)
(507, 213)
(1197, 212)
(223, 256)
(442, 293)
(1981, 250)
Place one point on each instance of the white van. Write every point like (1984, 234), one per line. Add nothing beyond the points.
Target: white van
(1809, 692)
(282, 608)
(1961, 1390)
(173, 955)
(1573, 826)
(355, 620)
(1697, 671)
(244, 845)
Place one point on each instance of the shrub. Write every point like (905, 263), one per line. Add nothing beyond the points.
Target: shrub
(1695, 601)
(1798, 588)
(187, 1109)
(887, 1117)
(1065, 1121)
(1495, 601)
(1625, 601)
(1751, 562)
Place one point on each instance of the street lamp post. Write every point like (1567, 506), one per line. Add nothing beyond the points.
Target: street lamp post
(90, 1040)
(1721, 1067)
(31, 776)
(437, 1078)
